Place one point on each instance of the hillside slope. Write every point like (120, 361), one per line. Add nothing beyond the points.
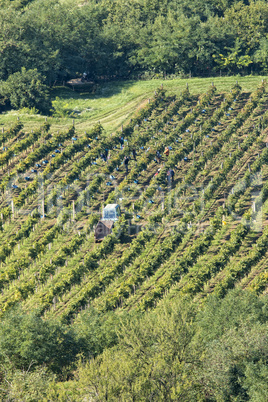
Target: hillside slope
(161, 302)
(114, 103)
(205, 232)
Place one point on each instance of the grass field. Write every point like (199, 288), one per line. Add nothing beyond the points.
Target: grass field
(114, 103)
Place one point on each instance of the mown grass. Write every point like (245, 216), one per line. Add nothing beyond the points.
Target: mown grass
(113, 103)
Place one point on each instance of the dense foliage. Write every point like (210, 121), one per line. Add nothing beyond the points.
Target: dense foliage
(176, 353)
(118, 39)
(25, 88)
(173, 353)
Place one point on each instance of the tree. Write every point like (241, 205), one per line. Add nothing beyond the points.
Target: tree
(27, 386)
(26, 89)
(152, 361)
(233, 336)
(235, 366)
(261, 55)
(27, 341)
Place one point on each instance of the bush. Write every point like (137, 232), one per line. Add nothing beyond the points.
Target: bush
(26, 340)
(25, 89)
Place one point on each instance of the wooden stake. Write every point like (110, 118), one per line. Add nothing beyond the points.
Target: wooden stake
(73, 210)
(12, 208)
(43, 208)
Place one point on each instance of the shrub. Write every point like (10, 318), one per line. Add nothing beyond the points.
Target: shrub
(26, 89)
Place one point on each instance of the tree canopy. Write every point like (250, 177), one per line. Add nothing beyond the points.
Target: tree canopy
(116, 39)
(178, 352)
(25, 89)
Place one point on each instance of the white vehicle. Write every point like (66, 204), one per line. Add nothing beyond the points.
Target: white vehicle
(110, 214)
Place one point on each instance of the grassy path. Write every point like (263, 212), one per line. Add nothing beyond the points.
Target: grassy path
(114, 103)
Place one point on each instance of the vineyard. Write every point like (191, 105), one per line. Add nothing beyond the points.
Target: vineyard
(204, 232)
(193, 229)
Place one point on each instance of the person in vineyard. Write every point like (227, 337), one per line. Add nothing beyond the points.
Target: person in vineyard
(158, 157)
(103, 157)
(166, 151)
(170, 176)
(126, 160)
(121, 140)
(134, 153)
(172, 173)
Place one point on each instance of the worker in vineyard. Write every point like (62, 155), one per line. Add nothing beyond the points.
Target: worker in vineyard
(126, 160)
(170, 176)
(134, 153)
(158, 157)
(121, 140)
(166, 151)
(103, 157)
(172, 173)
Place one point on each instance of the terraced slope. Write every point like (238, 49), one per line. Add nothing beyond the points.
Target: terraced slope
(205, 232)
